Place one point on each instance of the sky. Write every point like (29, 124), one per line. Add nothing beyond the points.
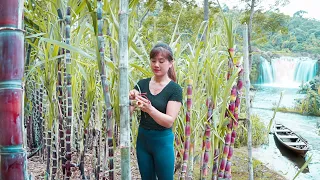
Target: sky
(310, 6)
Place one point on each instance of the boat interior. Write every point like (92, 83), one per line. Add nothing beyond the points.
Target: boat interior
(290, 138)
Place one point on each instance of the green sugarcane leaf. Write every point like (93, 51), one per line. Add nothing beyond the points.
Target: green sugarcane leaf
(32, 68)
(227, 91)
(93, 17)
(82, 72)
(175, 28)
(82, 32)
(305, 165)
(135, 49)
(34, 35)
(33, 44)
(79, 8)
(274, 112)
(217, 135)
(230, 114)
(228, 26)
(69, 47)
(141, 69)
(243, 127)
(200, 31)
(197, 125)
(225, 122)
(143, 47)
(133, 3)
(114, 18)
(155, 27)
(215, 117)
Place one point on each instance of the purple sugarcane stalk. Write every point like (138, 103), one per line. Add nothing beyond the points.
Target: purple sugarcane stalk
(42, 123)
(54, 157)
(187, 131)
(227, 145)
(69, 109)
(191, 160)
(206, 141)
(97, 153)
(105, 87)
(215, 159)
(82, 156)
(48, 153)
(12, 154)
(110, 152)
(236, 111)
(61, 99)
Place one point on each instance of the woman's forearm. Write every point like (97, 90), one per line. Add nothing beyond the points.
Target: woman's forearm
(161, 118)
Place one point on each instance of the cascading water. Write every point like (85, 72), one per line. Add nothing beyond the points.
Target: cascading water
(283, 70)
(287, 71)
(266, 75)
(305, 71)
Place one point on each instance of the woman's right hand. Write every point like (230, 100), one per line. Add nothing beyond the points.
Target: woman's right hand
(133, 94)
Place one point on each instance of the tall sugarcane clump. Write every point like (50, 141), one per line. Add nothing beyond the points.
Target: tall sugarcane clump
(232, 114)
(223, 163)
(187, 131)
(229, 139)
(235, 124)
(235, 117)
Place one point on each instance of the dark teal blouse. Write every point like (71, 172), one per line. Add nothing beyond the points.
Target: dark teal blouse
(171, 92)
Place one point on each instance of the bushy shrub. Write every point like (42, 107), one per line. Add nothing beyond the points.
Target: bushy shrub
(310, 104)
(314, 84)
(259, 133)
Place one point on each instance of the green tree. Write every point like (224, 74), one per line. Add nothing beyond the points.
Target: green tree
(162, 20)
(299, 13)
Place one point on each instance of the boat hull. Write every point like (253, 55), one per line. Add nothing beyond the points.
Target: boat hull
(291, 140)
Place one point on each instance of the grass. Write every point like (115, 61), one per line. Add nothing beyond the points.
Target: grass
(288, 110)
(295, 111)
(240, 168)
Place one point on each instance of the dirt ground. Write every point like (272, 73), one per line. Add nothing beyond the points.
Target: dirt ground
(37, 168)
(261, 171)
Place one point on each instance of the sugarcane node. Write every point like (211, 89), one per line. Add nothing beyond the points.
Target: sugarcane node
(11, 29)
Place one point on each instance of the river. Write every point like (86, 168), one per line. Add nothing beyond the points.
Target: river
(276, 157)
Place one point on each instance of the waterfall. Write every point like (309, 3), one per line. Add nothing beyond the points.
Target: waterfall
(283, 70)
(305, 71)
(266, 75)
(287, 71)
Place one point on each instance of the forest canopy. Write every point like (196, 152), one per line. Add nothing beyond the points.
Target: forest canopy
(272, 31)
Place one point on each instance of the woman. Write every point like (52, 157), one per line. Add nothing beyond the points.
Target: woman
(159, 99)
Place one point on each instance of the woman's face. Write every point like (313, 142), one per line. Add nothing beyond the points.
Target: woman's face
(160, 65)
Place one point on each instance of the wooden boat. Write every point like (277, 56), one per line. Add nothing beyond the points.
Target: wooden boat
(291, 140)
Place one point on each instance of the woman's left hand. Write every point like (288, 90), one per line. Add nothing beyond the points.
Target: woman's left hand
(144, 104)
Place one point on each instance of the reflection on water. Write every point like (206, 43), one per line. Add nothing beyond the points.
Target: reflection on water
(272, 154)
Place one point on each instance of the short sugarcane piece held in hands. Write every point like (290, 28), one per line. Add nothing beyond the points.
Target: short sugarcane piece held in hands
(138, 102)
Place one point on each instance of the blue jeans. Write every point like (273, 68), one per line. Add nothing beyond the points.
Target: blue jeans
(155, 153)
